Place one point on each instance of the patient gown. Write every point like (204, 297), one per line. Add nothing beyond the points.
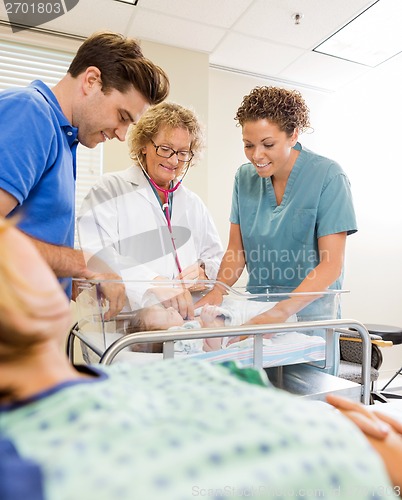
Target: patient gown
(182, 429)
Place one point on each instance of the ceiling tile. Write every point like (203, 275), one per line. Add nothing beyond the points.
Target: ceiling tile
(272, 20)
(222, 13)
(169, 30)
(82, 20)
(255, 36)
(322, 71)
(254, 55)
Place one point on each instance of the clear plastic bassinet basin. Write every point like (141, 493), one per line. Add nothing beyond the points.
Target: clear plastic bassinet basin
(98, 332)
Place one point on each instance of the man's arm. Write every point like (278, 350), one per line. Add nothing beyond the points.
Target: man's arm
(70, 263)
(66, 262)
(7, 203)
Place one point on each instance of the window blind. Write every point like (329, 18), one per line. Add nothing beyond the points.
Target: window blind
(19, 65)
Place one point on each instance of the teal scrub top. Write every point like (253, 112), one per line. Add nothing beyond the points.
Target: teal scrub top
(281, 242)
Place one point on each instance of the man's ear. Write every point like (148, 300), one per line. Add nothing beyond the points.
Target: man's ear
(91, 77)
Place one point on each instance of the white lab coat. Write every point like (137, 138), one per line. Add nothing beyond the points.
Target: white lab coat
(121, 222)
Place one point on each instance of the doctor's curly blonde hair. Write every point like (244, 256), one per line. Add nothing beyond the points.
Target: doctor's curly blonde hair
(165, 115)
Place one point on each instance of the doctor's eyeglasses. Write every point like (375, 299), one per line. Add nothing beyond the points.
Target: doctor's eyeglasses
(166, 152)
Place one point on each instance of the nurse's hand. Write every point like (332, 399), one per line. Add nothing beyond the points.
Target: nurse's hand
(274, 315)
(213, 298)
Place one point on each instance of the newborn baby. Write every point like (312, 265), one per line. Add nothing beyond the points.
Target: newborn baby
(232, 312)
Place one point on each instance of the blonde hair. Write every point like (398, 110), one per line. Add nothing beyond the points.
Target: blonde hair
(9, 298)
(11, 303)
(165, 115)
(12, 282)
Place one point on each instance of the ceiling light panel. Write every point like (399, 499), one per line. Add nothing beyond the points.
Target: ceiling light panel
(371, 38)
(130, 2)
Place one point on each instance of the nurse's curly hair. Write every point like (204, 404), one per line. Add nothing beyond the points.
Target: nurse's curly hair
(286, 108)
(165, 115)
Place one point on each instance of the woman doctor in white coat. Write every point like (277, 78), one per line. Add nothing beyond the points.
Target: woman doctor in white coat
(142, 221)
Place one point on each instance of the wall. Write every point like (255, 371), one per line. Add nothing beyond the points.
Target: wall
(361, 124)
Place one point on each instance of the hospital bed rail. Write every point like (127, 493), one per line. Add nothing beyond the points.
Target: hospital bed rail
(168, 338)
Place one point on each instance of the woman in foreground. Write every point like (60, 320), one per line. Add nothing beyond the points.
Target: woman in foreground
(175, 429)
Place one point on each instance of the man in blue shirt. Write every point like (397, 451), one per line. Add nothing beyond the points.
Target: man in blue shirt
(109, 84)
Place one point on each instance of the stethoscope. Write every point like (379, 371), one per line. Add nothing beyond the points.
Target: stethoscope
(165, 206)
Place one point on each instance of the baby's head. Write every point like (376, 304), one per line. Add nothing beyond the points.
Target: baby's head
(156, 317)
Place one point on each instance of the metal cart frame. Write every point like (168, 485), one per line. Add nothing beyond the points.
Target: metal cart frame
(257, 331)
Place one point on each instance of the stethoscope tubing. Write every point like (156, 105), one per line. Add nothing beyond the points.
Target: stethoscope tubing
(165, 209)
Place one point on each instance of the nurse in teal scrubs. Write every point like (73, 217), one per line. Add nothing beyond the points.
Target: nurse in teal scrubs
(291, 208)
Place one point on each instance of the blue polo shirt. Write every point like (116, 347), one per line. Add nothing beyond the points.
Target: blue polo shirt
(38, 162)
(281, 241)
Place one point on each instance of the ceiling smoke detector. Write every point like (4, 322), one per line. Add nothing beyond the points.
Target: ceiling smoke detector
(297, 17)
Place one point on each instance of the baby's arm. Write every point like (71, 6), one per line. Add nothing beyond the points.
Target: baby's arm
(211, 316)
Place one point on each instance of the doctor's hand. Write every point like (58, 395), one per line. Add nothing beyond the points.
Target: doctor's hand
(177, 297)
(194, 272)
